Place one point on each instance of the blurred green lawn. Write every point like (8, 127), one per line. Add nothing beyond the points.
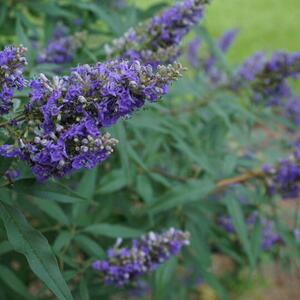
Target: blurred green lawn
(265, 24)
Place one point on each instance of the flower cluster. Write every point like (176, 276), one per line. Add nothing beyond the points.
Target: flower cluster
(284, 178)
(291, 108)
(99, 94)
(59, 154)
(66, 114)
(12, 62)
(211, 69)
(208, 64)
(251, 67)
(192, 52)
(226, 222)
(268, 78)
(269, 236)
(61, 47)
(158, 41)
(125, 265)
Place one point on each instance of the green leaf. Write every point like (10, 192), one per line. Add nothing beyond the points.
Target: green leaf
(63, 193)
(35, 247)
(210, 279)
(3, 12)
(58, 197)
(163, 277)
(183, 194)
(4, 165)
(86, 189)
(90, 54)
(229, 164)
(194, 157)
(290, 241)
(144, 188)
(113, 231)
(11, 280)
(135, 157)
(256, 240)
(90, 246)
(220, 112)
(51, 8)
(199, 246)
(5, 247)
(112, 182)
(110, 19)
(22, 37)
(120, 133)
(53, 210)
(240, 226)
(84, 292)
(64, 238)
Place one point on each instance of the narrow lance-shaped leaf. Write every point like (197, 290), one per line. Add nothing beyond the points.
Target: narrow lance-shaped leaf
(113, 231)
(11, 280)
(35, 247)
(236, 213)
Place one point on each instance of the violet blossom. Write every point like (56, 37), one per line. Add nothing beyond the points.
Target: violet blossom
(61, 47)
(66, 115)
(284, 178)
(291, 109)
(210, 67)
(269, 236)
(209, 63)
(158, 41)
(125, 265)
(12, 62)
(268, 78)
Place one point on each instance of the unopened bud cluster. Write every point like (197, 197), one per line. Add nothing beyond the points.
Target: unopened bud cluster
(65, 116)
(12, 62)
(62, 46)
(158, 41)
(125, 265)
(284, 179)
(269, 237)
(209, 63)
(268, 78)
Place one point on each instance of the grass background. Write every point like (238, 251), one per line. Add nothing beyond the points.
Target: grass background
(265, 25)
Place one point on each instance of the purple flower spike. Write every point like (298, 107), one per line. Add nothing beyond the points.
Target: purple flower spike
(66, 114)
(227, 39)
(126, 265)
(158, 41)
(268, 78)
(251, 67)
(61, 47)
(213, 73)
(226, 223)
(12, 62)
(193, 52)
(284, 178)
(269, 236)
(291, 109)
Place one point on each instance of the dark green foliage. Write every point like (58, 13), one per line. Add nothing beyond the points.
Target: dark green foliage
(165, 172)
